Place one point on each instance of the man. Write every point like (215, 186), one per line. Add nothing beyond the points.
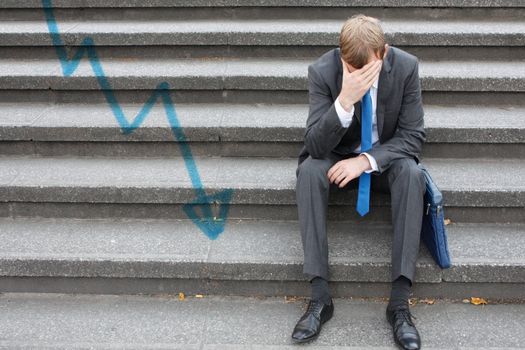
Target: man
(365, 125)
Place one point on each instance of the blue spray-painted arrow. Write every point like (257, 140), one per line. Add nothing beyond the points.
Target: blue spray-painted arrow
(211, 225)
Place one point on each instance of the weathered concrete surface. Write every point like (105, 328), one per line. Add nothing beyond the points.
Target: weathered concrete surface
(294, 3)
(234, 323)
(238, 123)
(244, 74)
(261, 32)
(269, 181)
(245, 251)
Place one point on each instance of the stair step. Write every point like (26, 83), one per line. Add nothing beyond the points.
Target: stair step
(400, 32)
(228, 122)
(247, 251)
(268, 3)
(394, 10)
(233, 323)
(237, 130)
(490, 188)
(252, 74)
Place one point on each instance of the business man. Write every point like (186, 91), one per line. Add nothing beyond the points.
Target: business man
(364, 131)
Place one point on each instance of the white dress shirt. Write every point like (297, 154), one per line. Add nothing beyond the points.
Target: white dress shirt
(346, 119)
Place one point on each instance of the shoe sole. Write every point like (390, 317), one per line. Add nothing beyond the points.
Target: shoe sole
(303, 341)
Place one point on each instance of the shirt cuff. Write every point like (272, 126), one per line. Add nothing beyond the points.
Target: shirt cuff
(373, 163)
(344, 117)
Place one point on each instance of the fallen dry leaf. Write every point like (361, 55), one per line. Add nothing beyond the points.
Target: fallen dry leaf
(412, 301)
(181, 296)
(478, 301)
(290, 299)
(447, 221)
(200, 296)
(428, 301)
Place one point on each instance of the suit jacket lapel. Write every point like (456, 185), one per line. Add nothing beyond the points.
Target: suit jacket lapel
(383, 89)
(357, 107)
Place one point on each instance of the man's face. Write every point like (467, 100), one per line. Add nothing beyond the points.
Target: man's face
(372, 57)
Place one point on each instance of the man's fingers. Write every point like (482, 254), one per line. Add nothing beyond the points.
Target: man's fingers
(363, 70)
(346, 181)
(369, 80)
(367, 69)
(337, 172)
(340, 178)
(374, 69)
(332, 170)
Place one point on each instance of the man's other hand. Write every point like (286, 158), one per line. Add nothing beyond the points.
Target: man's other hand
(346, 170)
(355, 84)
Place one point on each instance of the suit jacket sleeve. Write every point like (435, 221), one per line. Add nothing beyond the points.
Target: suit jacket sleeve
(409, 136)
(323, 127)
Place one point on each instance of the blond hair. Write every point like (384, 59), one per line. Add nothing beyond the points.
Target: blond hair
(360, 37)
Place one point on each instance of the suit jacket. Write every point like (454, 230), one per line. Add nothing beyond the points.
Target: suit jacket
(399, 110)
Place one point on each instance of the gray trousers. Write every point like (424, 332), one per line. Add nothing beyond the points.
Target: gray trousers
(403, 180)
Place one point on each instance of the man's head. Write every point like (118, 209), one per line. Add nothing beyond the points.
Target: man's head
(361, 40)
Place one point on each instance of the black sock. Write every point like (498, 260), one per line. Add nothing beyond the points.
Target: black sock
(320, 290)
(400, 292)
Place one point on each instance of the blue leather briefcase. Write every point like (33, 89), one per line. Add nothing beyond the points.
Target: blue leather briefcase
(433, 232)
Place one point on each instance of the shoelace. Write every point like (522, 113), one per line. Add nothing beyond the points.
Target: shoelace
(314, 307)
(405, 314)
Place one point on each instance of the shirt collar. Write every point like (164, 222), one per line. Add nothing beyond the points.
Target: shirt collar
(375, 83)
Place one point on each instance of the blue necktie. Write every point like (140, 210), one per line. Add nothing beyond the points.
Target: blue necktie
(363, 196)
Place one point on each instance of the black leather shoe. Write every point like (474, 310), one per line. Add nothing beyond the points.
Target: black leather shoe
(405, 332)
(309, 325)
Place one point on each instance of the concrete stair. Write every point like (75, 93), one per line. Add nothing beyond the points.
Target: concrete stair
(86, 207)
(139, 322)
(263, 130)
(252, 258)
(245, 32)
(267, 75)
(475, 189)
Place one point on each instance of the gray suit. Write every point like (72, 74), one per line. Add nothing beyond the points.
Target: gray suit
(401, 137)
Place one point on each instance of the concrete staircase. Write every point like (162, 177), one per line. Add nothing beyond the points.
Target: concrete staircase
(89, 207)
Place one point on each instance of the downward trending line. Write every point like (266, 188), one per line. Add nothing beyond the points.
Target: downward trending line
(211, 225)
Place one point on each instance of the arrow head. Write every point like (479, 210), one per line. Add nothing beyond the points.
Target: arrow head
(211, 225)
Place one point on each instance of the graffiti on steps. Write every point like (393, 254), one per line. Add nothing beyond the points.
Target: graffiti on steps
(209, 223)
